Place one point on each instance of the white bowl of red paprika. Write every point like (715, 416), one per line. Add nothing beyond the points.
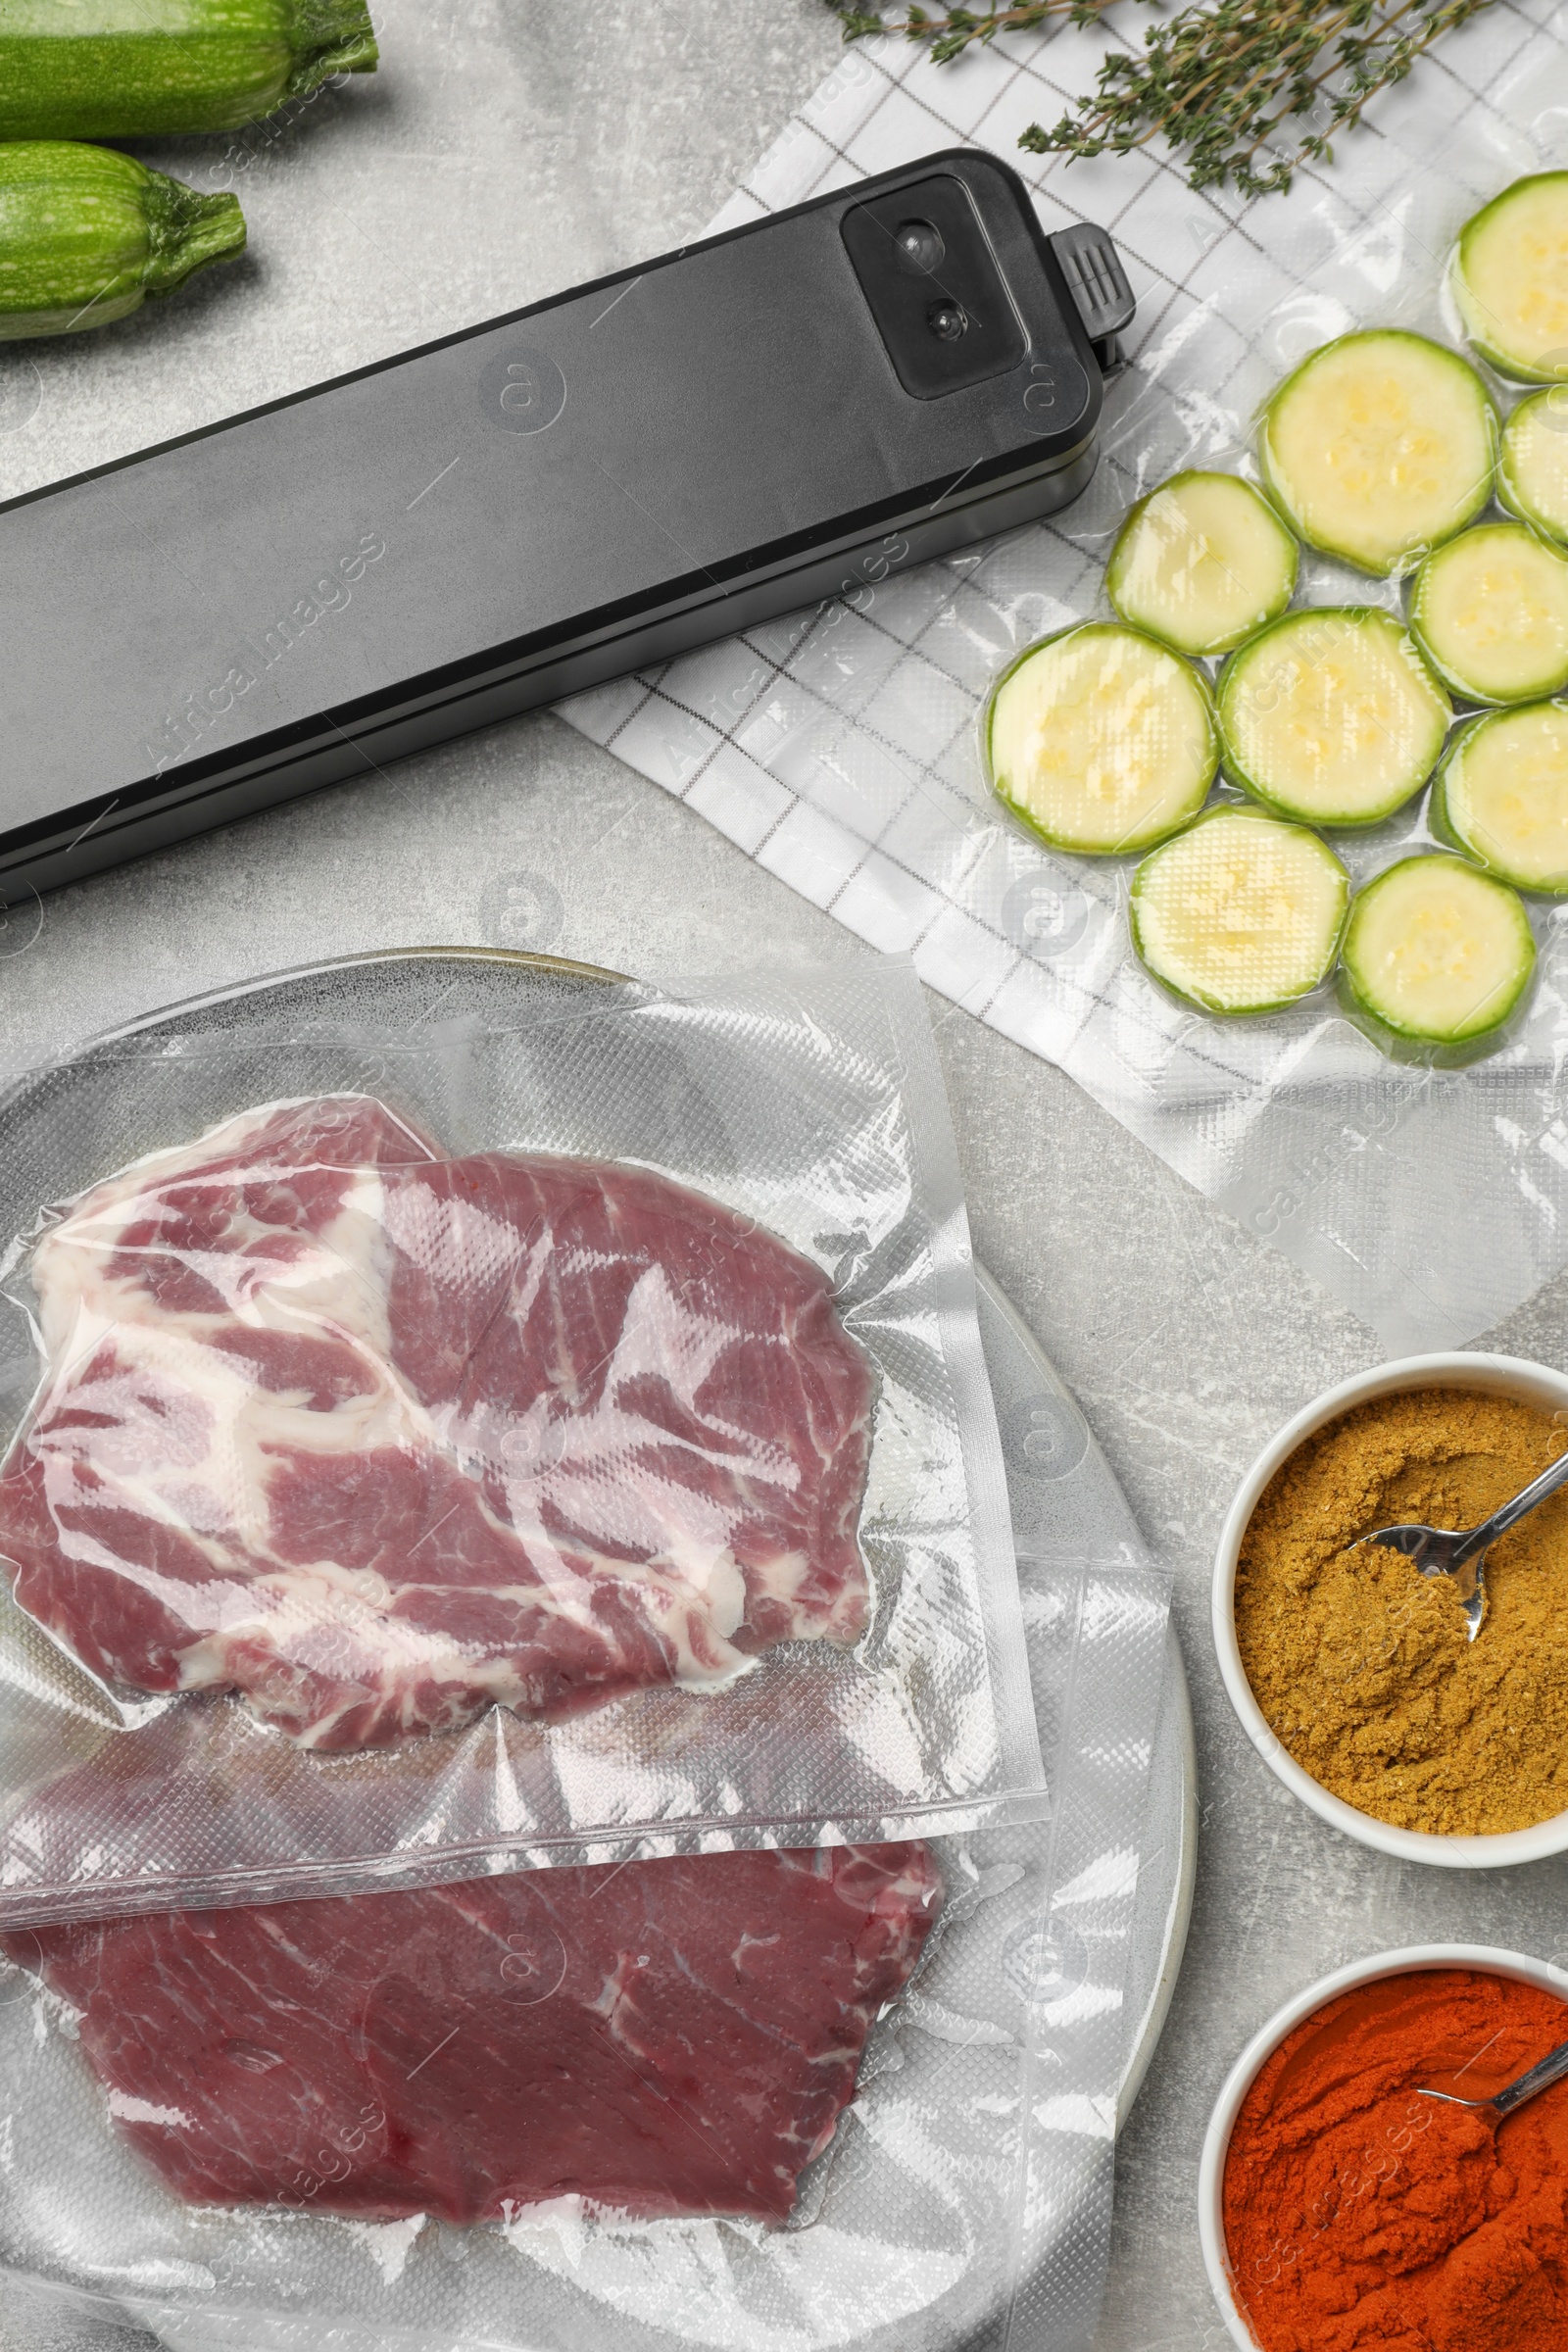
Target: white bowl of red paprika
(1323, 2167)
(1501, 1377)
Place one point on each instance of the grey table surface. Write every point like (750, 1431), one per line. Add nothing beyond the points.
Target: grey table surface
(507, 149)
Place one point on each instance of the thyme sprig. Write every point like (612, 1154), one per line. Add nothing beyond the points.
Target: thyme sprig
(1226, 82)
(1222, 83)
(949, 31)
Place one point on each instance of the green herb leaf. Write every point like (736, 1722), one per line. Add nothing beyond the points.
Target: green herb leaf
(1227, 85)
(950, 33)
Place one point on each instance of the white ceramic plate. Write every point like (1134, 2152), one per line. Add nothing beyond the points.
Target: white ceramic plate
(1064, 1494)
(1065, 1501)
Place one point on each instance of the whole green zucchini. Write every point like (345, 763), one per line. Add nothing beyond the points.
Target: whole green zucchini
(86, 234)
(139, 69)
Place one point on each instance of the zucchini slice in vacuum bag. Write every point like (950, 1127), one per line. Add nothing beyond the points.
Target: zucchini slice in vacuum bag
(1380, 445)
(1532, 473)
(1509, 278)
(1490, 610)
(1101, 740)
(1240, 913)
(1501, 795)
(1436, 957)
(1331, 716)
(1200, 562)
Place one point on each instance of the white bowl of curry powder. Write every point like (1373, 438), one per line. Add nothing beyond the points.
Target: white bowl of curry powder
(1351, 1673)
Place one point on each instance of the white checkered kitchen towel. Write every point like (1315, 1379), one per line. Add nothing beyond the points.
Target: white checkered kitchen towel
(840, 749)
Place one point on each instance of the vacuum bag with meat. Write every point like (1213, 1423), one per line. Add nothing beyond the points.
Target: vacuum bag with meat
(544, 1423)
(656, 2039)
(379, 1439)
(836, 2100)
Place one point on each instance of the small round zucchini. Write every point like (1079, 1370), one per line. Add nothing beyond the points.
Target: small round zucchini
(1490, 610)
(1533, 473)
(1240, 913)
(1436, 957)
(88, 235)
(1331, 716)
(1103, 741)
(1200, 562)
(1501, 795)
(1509, 276)
(1380, 445)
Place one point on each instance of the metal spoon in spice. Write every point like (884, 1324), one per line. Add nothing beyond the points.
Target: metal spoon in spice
(1550, 2069)
(1438, 1552)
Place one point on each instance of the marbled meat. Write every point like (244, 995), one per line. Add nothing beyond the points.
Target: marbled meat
(656, 2038)
(379, 1439)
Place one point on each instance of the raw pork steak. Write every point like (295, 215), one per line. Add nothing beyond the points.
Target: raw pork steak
(657, 2037)
(381, 1439)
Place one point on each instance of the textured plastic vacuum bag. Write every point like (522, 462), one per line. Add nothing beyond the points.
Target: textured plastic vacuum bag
(840, 748)
(380, 1439)
(660, 2039)
(665, 2042)
(464, 1447)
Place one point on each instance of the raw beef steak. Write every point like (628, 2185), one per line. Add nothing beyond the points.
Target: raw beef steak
(381, 1439)
(657, 2037)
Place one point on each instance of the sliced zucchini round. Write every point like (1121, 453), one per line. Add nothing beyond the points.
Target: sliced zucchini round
(1101, 740)
(1380, 445)
(1501, 795)
(1509, 276)
(1436, 955)
(1532, 471)
(1490, 610)
(1240, 913)
(1331, 716)
(1200, 562)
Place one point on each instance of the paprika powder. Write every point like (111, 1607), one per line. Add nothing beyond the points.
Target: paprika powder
(1362, 2218)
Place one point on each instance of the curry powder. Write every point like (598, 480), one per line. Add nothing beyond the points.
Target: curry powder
(1361, 1665)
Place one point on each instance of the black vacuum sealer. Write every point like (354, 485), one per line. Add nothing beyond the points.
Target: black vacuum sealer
(779, 414)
